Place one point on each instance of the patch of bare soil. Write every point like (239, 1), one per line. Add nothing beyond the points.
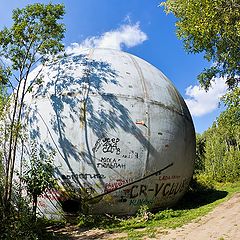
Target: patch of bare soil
(222, 223)
(76, 233)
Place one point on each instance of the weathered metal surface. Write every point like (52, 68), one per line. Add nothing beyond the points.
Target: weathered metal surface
(123, 135)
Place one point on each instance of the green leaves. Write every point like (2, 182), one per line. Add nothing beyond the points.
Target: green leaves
(38, 175)
(4, 75)
(35, 34)
(200, 152)
(35, 31)
(218, 149)
(211, 27)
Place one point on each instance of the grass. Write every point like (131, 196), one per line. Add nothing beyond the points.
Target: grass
(193, 205)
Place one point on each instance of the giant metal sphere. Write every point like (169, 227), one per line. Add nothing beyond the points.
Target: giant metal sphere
(122, 134)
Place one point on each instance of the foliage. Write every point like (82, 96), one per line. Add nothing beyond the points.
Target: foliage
(200, 152)
(38, 174)
(143, 213)
(96, 220)
(193, 205)
(3, 105)
(34, 37)
(4, 100)
(231, 117)
(220, 160)
(211, 27)
(19, 224)
(35, 34)
(201, 182)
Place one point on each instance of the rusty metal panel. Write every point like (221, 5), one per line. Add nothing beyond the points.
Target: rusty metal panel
(122, 133)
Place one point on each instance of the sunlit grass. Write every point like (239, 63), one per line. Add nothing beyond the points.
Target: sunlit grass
(194, 205)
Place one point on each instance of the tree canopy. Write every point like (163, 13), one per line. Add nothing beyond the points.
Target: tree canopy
(34, 36)
(211, 27)
(218, 148)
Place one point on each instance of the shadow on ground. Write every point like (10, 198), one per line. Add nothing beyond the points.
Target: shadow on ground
(191, 200)
(195, 199)
(73, 232)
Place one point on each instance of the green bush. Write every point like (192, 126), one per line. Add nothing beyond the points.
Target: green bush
(202, 182)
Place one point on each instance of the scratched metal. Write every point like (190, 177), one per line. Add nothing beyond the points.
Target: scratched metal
(122, 134)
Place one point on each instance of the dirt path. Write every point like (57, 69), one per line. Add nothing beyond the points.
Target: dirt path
(222, 223)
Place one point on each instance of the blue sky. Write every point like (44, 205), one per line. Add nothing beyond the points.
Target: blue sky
(141, 28)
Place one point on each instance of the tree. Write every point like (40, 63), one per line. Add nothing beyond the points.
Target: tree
(38, 174)
(211, 27)
(34, 36)
(222, 145)
(200, 152)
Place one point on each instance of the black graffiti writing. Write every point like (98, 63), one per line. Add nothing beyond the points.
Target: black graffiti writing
(158, 188)
(97, 145)
(158, 172)
(83, 176)
(131, 154)
(173, 189)
(111, 145)
(139, 202)
(168, 177)
(109, 160)
(166, 189)
(111, 165)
